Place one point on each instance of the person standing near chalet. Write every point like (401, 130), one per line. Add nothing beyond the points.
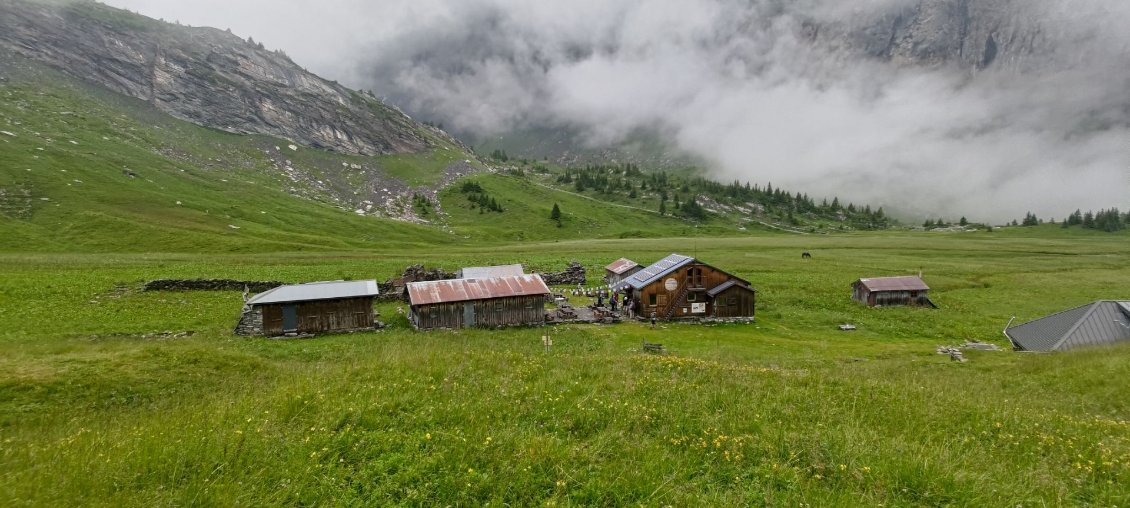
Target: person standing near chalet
(613, 301)
(653, 319)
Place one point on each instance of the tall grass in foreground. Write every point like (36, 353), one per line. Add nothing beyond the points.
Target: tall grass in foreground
(99, 406)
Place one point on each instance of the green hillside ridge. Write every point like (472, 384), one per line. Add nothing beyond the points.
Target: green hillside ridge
(84, 169)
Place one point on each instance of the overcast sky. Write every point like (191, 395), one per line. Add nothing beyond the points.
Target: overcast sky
(737, 83)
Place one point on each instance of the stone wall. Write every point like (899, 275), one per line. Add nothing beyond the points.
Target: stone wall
(573, 275)
(210, 285)
(250, 322)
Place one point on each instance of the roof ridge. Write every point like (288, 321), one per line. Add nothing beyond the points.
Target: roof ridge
(1079, 322)
(1064, 311)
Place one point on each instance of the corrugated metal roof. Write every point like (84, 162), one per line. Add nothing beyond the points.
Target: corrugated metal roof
(621, 265)
(487, 272)
(908, 283)
(658, 269)
(316, 291)
(461, 290)
(1101, 322)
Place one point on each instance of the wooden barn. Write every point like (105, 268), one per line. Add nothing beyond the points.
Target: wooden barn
(619, 270)
(909, 290)
(490, 272)
(464, 303)
(318, 307)
(679, 286)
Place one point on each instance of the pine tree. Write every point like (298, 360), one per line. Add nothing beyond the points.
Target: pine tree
(555, 215)
(963, 221)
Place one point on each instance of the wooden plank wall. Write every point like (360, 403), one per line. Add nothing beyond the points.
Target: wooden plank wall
(321, 316)
(512, 311)
(744, 303)
(711, 277)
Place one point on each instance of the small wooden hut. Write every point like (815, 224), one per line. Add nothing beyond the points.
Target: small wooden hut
(909, 290)
(314, 308)
(679, 286)
(619, 270)
(463, 303)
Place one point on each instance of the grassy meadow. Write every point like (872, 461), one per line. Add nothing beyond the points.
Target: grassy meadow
(104, 401)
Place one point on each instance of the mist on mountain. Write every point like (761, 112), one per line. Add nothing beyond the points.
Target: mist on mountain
(982, 107)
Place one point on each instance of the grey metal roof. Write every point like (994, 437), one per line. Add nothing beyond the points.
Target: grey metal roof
(461, 290)
(907, 283)
(717, 290)
(489, 272)
(316, 291)
(654, 272)
(1101, 322)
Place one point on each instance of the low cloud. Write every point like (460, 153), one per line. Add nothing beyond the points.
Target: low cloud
(991, 112)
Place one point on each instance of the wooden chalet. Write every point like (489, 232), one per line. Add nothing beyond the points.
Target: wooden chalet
(619, 270)
(304, 309)
(513, 300)
(679, 286)
(909, 290)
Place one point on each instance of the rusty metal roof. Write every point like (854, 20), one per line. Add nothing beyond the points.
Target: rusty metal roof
(461, 290)
(487, 272)
(621, 265)
(908, 283)
(316, 291)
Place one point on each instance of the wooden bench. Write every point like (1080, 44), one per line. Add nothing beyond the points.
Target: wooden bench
(649, 347)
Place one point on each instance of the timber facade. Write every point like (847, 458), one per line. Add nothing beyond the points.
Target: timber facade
(884, 291)
(310, 309)
(483, 303)
(678, 287)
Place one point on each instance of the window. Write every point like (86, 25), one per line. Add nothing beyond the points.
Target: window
(651, 299)
(733, 300)
(498, 307)
(692, 297)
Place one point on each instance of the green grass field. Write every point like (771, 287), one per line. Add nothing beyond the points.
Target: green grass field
(100, 406)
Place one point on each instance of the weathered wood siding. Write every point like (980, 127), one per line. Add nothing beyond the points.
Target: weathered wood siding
(495, 312)
(735, 302)
(877, 298)
(320, 316)
(695, 277)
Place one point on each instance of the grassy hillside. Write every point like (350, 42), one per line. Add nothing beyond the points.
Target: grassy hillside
(103, 400)
(84, 170)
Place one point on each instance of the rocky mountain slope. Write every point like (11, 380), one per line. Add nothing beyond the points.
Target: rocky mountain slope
(208, 76)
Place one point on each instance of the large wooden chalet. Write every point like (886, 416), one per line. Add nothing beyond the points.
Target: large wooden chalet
(679, 286)
(464, 303)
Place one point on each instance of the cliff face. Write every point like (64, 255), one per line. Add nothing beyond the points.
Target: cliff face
(969, 33)
(206, 76)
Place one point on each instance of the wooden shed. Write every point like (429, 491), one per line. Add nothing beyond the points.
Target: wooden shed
(679, 286)
(317, 307)
(909, 290)
(464, 303)
(619, 270)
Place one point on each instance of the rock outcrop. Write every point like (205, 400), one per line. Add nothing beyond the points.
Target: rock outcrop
(207, 76)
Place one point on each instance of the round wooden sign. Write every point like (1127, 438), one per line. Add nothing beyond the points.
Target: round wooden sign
(671, 284)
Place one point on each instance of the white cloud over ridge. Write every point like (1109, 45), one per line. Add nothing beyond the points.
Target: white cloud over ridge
(791, 92)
